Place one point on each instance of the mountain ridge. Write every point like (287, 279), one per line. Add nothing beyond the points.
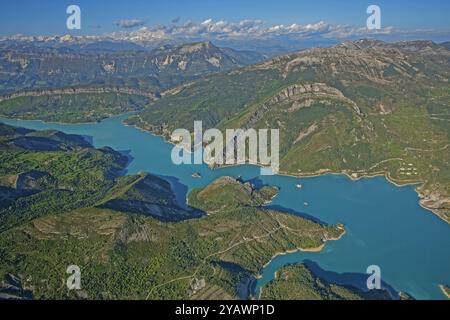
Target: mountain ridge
(58, 68)
(361, 108)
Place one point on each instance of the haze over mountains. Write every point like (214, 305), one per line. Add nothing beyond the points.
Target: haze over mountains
(267, 38)
(32, 66)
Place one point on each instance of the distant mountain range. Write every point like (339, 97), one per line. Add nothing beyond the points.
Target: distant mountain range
(265, 44)
(141, 42)
(33, 66)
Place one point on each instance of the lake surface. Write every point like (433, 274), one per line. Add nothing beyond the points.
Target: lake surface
(384, 224)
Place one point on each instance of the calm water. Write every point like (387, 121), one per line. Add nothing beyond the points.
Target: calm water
(384, 224)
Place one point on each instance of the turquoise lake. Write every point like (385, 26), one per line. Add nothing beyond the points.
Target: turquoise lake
(384, 224)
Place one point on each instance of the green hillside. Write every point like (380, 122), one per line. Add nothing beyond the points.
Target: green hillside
(361, 108)
(64, 202)
(72, 108)
(298, 282)
(70, 85)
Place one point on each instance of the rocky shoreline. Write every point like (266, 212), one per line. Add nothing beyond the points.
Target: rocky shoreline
(429, 201)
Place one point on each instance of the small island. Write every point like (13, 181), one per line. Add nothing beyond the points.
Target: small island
(196, 175)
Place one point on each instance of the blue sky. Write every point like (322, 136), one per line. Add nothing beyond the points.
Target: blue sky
(48, 17)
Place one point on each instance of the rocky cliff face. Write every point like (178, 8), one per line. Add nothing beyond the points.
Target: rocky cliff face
(299, 96)
(31, 68)
(359, 108)
(375, 61)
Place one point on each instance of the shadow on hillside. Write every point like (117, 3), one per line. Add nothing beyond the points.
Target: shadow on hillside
(88, 139)
(246, 279)
(179, 189)
(126, 153)
(357, 280)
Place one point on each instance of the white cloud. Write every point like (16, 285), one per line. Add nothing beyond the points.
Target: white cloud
(340, 32)
(129, 23)
(246, 29)
(255, 29)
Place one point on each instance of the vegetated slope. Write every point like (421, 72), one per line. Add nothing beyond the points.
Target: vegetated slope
(148, 195)
(124, 256)
(228, 193)
(73, 106)
(45, 172)
(74, 85)
(66, 204)
(361, 108)
(298, 282)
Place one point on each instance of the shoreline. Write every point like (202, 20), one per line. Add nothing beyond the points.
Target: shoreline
(302, 175)
(55, 122)
(385, 175)
(322, 172)
(112, 116)
(314, 249)
(445, 290)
